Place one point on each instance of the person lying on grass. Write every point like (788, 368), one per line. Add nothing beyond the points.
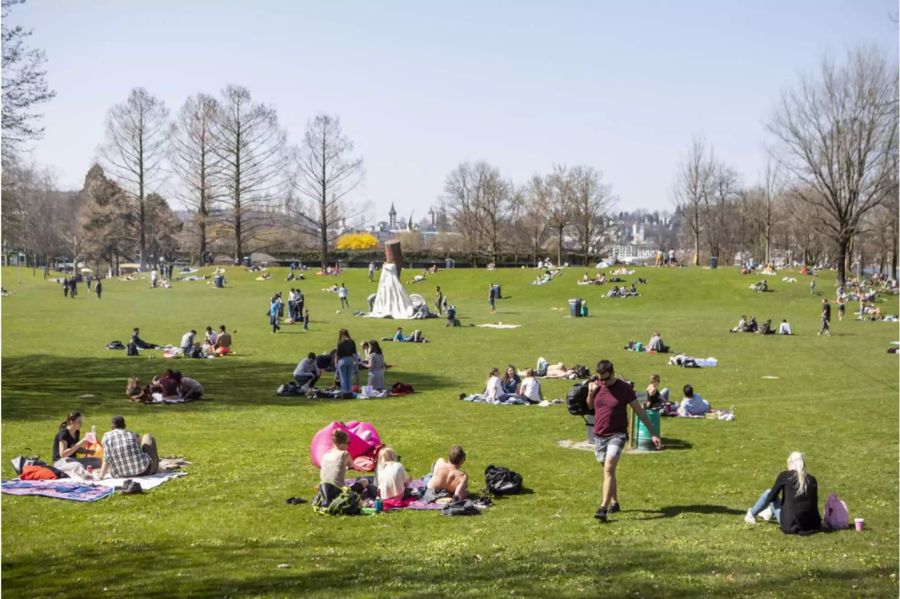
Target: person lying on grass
(797, 510)
(447, 476)
(693, 405)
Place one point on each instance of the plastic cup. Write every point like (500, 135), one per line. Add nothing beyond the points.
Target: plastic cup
(859, 523)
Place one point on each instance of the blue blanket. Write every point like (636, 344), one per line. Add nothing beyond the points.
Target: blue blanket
(57, 489)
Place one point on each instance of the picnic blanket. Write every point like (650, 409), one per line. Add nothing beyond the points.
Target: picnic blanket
(147, 482)
(57, 489)
(417, 486)
(498, 325)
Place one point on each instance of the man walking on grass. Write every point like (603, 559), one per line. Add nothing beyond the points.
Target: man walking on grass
(826, 318)
(608, 397)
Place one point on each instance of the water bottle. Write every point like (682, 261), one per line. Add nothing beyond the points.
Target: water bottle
(379, 506)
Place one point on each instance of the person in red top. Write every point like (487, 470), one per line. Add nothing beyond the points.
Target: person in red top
(608, 396)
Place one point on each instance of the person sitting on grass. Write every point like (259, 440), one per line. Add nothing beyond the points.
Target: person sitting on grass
(209, 341)
(751, 325)
(392, 478)
(398, 336)
(693, 405)
(125, 455)
(167, 384)
(334, 464)
(797, 512)
(784, 328)
(656, 344)
(766, 328)
(510, 381)
(140, 343)
(187, 342)
(492, 388)
(657, 399)
(530, 387)
(446, 476)
(189, 389)
(68, 443)
(741, 325)
(223, 342)
(307, 371)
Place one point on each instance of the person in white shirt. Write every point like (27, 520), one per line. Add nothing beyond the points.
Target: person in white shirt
(530, 387)
(693, 404)
(784, 328)
(493, 389)
(342, 295)
(391, 476)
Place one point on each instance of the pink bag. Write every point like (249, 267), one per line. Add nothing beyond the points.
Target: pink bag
(837, 517)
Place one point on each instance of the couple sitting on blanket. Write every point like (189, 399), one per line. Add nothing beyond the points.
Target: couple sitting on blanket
(124, 454)
(391, 478)
(172, 386)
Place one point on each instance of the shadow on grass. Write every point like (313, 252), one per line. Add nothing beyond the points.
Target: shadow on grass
(36, 387)
(292, 568)
(676, 510)
(676, 444)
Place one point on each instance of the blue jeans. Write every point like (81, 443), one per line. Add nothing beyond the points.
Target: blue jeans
(345, 368)
(760, 505)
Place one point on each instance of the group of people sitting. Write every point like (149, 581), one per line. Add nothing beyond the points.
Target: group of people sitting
(170, 387)
(392, 481)
(622, 291)
(510, 389)
(654, 345)
(215, 343)
(346, 363)
(692, 405)
(120, 454)
(750, 326)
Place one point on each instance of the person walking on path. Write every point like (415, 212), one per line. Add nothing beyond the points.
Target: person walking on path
(342, 295)
(608, 397)
(826, 318)
(492, 298)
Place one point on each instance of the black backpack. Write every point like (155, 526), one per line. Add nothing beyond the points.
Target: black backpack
(581, 371)
(502, 481)
(132, 349)
(115, 345)
(576, 399)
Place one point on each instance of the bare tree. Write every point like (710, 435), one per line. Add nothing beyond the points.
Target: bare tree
(534, 221)
(591, 201)
(771, 192)
(195, 162)
(837, 134)
(560, 197)
(460, 197)
(718, 208)
(249, 146)
(693, 185)
(326, 174)
(135, 147)
(24, 85)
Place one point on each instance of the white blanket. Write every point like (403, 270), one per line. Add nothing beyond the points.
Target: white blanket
(147, 482)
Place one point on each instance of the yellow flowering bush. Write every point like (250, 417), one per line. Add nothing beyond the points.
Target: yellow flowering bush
(357, 241)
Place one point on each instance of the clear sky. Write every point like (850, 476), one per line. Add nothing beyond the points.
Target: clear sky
(422, 86)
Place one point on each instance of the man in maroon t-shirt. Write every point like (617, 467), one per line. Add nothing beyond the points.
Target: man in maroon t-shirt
(608, 397)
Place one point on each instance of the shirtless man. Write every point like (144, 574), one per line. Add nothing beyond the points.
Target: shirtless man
(447, 476)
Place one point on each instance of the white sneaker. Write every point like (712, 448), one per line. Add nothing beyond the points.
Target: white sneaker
(766, 514)
(748, 517)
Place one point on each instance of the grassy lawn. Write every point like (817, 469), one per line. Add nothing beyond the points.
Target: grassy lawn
(224, 530)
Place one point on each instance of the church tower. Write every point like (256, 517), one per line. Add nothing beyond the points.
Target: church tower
(392, 217)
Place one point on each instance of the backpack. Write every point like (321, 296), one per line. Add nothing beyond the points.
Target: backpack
(502, 481)
(132, 349)
(576, 399)
(115, 345)
(195, 352)
(291, 388)
(347, 503)
(542, 366)
(581, 371)
(19, 463)
(837, 517)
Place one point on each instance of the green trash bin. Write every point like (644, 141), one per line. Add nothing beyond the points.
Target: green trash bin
(644, 442)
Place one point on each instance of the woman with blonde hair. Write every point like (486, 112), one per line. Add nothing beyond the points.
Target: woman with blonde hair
(392, 479)
(798, 509)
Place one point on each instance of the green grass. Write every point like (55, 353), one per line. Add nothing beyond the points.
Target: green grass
(224, 530)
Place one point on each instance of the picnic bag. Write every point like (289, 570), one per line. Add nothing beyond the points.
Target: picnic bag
(542, 366)
(837, 517)
(115, 345)
(502, 481)
(290, 388)
(460, 507)
(576, 399)
(347, 503)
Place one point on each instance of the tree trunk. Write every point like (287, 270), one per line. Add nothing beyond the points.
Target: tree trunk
(697, 248)
(559, 245)
(323, 250)
(843, 244)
